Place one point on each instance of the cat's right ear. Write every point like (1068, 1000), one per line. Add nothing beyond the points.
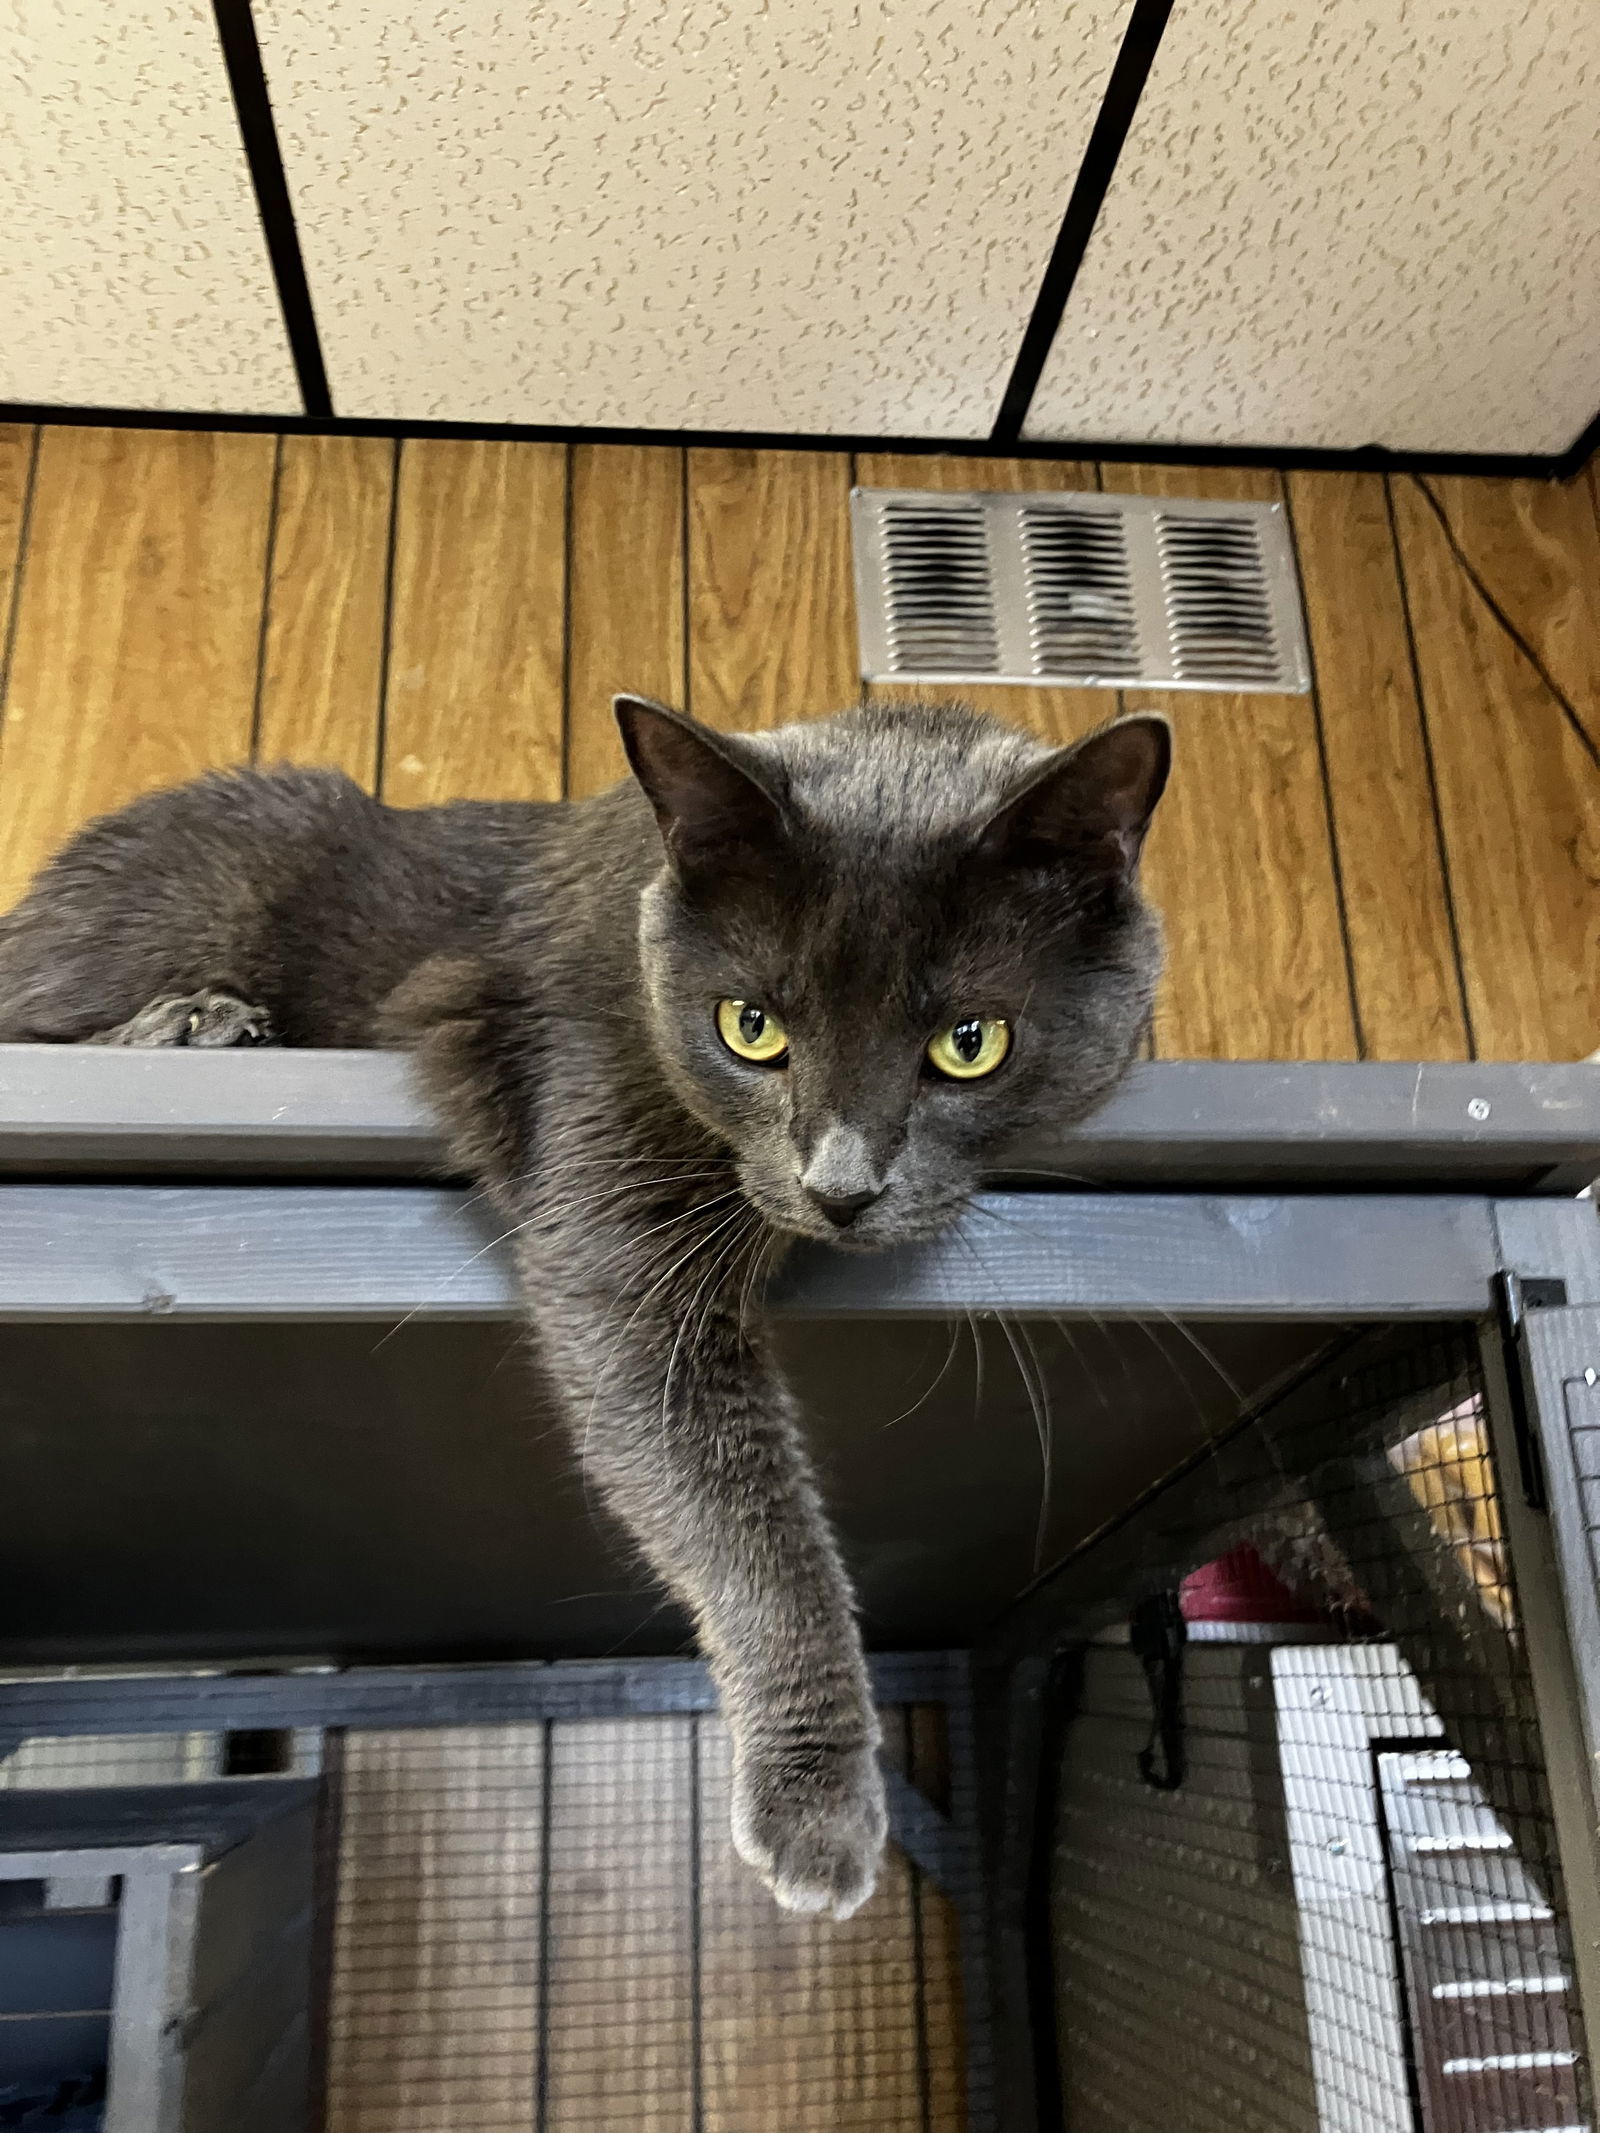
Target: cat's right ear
(710, 802)
(1092, 802)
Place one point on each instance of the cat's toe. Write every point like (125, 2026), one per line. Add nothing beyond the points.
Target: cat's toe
(219, 1021)
(812, 1824)
(194, 1021)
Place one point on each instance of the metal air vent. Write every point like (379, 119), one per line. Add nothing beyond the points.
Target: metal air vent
(1091, 590)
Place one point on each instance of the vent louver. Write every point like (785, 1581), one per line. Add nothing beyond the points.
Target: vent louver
(1090, 590)
(942, 614)
(1217, 605)
(1081, 618)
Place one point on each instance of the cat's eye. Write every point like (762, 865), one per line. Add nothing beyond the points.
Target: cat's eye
(752, 1032)
(970, 1048)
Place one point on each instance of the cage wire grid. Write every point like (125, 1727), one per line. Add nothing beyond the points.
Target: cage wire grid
(1349, 1917)
(542, 1926)
(545, 1926)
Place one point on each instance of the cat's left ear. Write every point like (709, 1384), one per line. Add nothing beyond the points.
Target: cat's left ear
(711, 801)
(1091, 801)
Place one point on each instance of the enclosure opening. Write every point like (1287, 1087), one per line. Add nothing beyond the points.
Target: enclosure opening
(257, 1751)
(57, 1950)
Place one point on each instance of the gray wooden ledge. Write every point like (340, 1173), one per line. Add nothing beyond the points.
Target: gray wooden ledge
(193, 1252)
(1487, 1128)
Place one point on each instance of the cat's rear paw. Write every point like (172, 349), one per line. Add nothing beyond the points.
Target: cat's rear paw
(812, 1824)
(196, 1021)
(217, 1019)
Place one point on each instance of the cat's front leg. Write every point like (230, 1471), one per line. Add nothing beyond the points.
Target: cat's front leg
(685, 1424)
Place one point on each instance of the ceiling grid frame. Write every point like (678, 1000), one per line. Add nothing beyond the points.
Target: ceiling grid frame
(835, 225)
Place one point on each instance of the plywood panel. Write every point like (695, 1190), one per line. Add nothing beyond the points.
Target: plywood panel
(474, 702)
(1361, 221)
(772, 633)
(938, 1937)
(1053, 714)
(719, 216)
(322, 662)
(134, 272)
(138, 627)
(1519, 775)
(1536, 547)
(807, 2026)
(1402, 949)
(433, 2012)
(626, 593)
(1240, 861)
(621, 2015)
(18, 444)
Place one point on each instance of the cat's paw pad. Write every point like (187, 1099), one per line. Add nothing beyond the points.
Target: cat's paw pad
(812, 1824)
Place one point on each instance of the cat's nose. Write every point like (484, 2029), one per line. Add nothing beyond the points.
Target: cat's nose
(841, 1208)
(840, 1178)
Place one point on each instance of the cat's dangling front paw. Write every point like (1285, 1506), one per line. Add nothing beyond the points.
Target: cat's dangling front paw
(812, 1821)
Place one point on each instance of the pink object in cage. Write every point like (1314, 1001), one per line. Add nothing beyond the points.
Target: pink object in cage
(1238, 1587)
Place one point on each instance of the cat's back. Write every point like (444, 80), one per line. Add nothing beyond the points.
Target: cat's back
(250, 832)
(353, 891)
(290, 885)
(221, 839)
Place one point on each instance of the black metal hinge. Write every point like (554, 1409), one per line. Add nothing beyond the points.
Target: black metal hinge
(1158, 1634)
(1515, 1295)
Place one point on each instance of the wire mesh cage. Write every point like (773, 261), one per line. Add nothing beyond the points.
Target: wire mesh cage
(546, 1926)
(1304, 1868)
(1303, 1871)
(525, 1926)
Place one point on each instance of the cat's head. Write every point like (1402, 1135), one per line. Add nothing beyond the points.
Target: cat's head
(888, 945)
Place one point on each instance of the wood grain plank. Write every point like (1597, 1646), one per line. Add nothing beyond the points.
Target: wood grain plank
(1519, 788)
(939, 1936)
(772, 632)
(138, 626)
(806, 2026)
(474, 704)
(621, 1927)
(1397, 912)
(433, 2013)
(1240, 860)
(1055, 715)
(626, 593)
(327, 594)
(18, 442)
(1536, 546)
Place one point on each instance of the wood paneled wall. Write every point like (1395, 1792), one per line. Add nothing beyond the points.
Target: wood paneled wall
(1405, 864)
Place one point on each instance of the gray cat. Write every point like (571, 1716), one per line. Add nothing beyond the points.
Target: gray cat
(802, 983)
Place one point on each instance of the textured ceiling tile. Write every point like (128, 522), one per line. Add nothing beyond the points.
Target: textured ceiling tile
(133, 271)
(1343, 222)
(719, 214)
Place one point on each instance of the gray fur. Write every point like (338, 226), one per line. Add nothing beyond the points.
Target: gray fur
(871, 878)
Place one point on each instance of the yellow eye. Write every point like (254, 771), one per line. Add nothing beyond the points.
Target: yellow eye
(751, 1032)
(970, 1048)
